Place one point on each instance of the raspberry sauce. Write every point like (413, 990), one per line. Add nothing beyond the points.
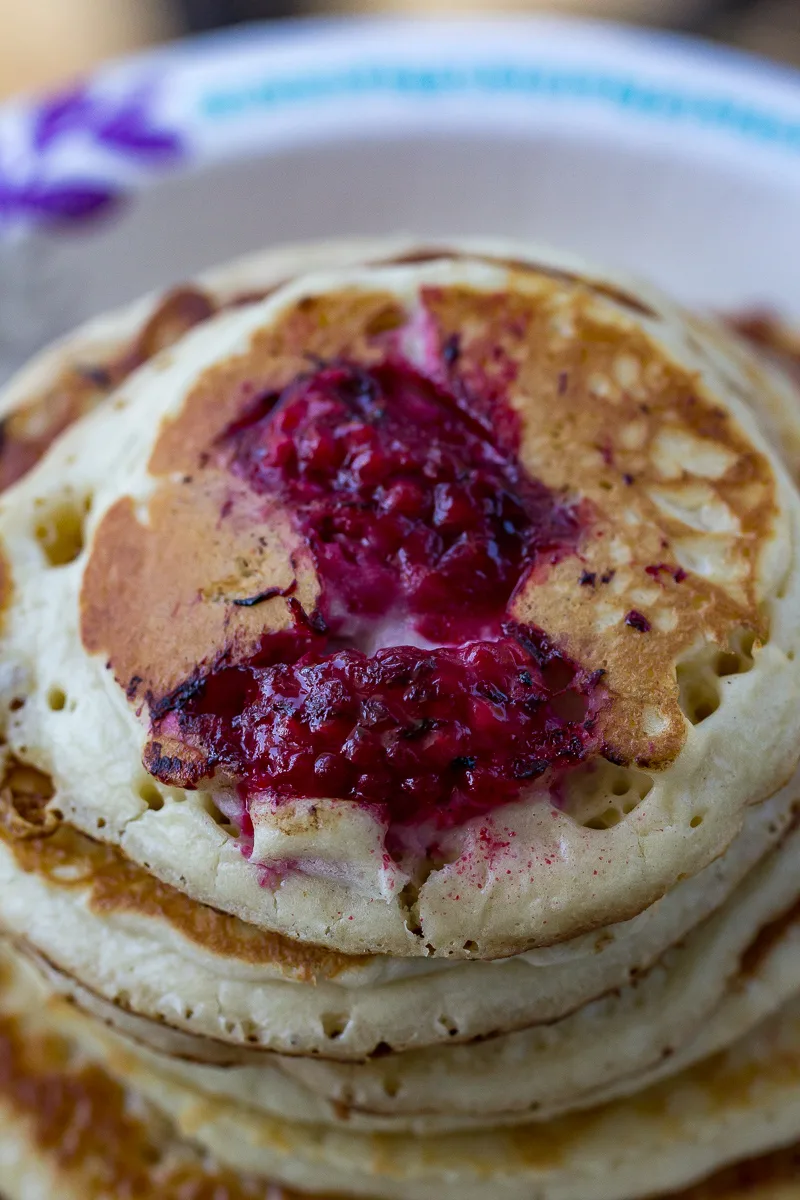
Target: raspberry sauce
(420, 517)
(408, 498)
(439, 735)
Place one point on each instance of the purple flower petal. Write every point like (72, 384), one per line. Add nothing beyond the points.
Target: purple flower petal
(120, 125)
(123, 126)
(128, 133)
(63, 113)
(74, 201)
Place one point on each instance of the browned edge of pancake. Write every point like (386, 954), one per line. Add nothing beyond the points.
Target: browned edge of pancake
(67, 858)
(46, 846)
(768, 938)
(767, 333)
(84, 1125)
(26, 433)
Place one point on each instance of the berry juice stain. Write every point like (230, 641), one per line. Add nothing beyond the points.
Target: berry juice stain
(420, 518)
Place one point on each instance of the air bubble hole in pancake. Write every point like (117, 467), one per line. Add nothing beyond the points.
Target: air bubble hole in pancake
(59, 529)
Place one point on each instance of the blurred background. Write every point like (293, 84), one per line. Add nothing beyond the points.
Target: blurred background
(43, 42)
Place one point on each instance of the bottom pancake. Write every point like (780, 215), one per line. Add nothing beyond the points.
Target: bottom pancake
(82, 1117)
(69, 1130)
(425, 1093)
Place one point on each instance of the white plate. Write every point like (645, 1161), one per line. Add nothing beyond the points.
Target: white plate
(655, 153)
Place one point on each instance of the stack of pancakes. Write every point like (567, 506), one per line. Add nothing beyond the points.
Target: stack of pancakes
(579, 981)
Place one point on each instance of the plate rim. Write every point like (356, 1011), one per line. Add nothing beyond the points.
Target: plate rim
(110, 152)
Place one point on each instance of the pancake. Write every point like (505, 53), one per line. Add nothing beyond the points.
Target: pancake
(160, 1034)
(98, 687)
(774, 371)
(731, 973)
(83, 369)
(123, 1147)
(740, 1103)
(110, 928)
(771, 337)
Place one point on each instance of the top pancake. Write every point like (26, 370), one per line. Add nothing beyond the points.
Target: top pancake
(131, 547)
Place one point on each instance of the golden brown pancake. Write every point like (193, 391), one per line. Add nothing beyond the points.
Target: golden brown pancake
(213, 908)
(665, 594)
